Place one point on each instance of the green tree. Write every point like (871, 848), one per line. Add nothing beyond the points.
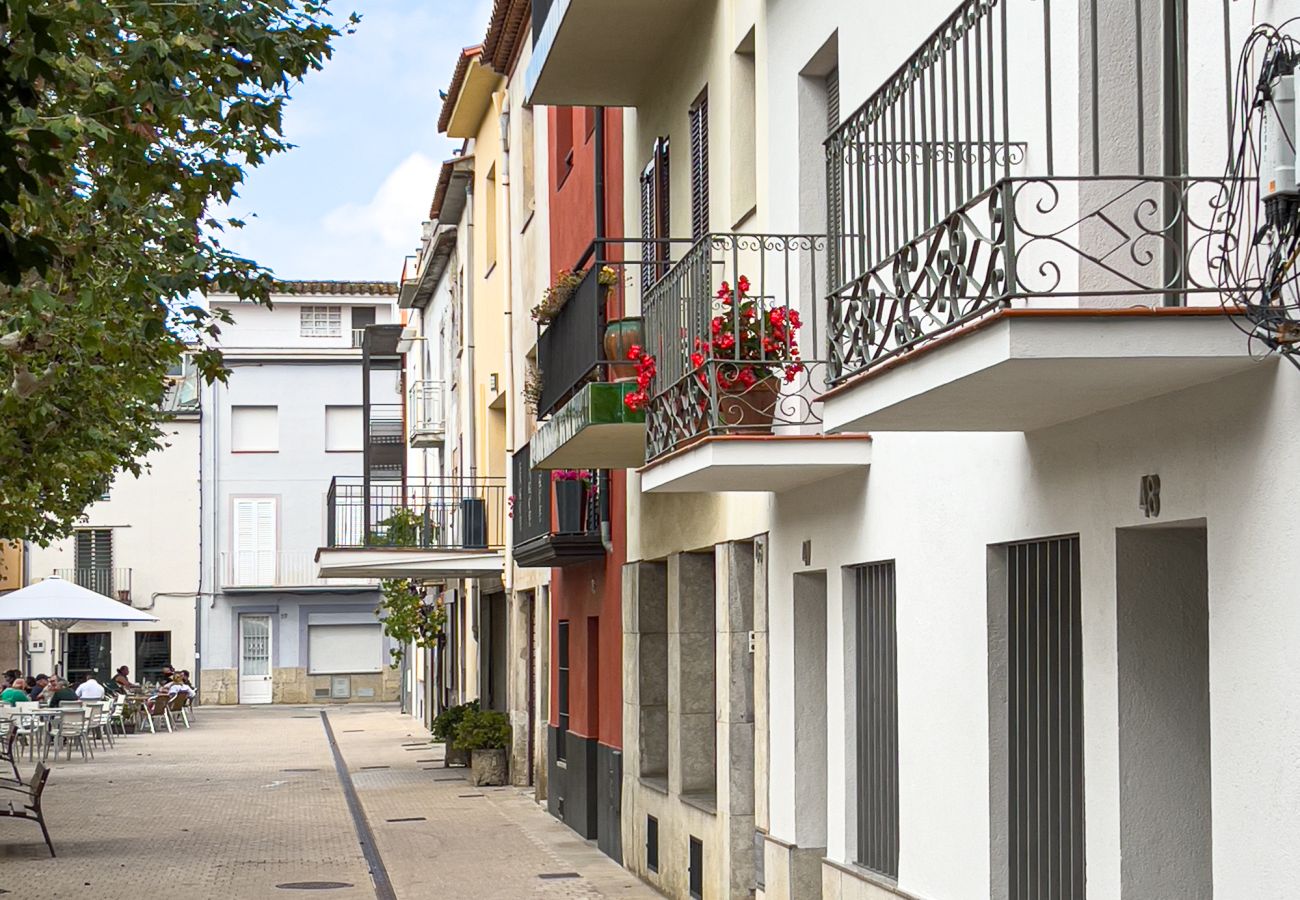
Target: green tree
(408, 617)
(123, 125)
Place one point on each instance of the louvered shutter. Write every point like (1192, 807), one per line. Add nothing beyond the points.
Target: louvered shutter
(834, 182)
(648, 253)
(254, 553)
(93, 557)
(700, 166)
(832, 101)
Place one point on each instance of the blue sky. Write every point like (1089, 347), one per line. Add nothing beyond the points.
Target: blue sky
(348, 201)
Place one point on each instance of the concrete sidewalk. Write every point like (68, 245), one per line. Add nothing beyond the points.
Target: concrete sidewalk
(249, 800)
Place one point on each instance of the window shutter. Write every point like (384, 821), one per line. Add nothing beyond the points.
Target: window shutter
(700, 166)
(832, 101)
(254, 553)
(648, 184)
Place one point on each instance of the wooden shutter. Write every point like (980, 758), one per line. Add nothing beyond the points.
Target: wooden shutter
(700, 166)
(255, 539)
(832, 101)
(648, 255)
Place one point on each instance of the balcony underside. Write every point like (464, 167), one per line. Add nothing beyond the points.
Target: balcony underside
(1022, 370)
(426, 437)
(558, 550)
(748, 463)
(594, 430)
(408, 562)
(605, 52)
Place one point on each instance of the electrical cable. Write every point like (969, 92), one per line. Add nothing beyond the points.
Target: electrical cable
(1256, 241)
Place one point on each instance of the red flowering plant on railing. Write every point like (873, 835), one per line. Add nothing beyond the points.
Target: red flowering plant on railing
(753, 342)
(636, 400)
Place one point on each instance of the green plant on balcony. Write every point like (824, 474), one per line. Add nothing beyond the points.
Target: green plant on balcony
(555, 296)
(409, 617)
(402, 528)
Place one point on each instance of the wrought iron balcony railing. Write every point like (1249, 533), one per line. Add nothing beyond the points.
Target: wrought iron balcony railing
(550, 528)
(427, 513)
(983, 174)
(110, 581)
(278, 569)
(424, 410)
(727, 326)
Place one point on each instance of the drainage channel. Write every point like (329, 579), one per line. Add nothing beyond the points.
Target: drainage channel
(365, 837)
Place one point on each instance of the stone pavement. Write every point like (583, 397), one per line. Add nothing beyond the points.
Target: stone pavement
(220, 812)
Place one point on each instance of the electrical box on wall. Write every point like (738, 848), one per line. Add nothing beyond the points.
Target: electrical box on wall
(341, 687)
(1277, 152)
(36, 646)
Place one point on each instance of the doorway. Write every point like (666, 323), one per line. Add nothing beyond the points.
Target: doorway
(255, 659)
(1162, 620)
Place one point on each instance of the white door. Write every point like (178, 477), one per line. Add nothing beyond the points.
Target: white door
(254, 659)
(255, 540)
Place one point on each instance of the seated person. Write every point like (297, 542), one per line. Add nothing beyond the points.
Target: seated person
(15, 693)
(90, 689)
(39, 686)
(123, 680)
(178, 686)
(61, 693)
(185, 677)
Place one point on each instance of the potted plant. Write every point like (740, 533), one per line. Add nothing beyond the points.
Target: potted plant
(485, 735)
(570, 500)
(555, 296)
(749, 348)
(444, 729)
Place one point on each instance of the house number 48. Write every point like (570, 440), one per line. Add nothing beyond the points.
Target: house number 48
(1149, 495)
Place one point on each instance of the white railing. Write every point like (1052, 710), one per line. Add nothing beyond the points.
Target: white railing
(424, 411)
(279, 569)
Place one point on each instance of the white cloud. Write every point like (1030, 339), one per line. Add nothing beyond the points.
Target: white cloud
(394, 213)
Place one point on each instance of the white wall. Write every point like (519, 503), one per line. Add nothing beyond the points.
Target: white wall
(155, 524)
(258, 327)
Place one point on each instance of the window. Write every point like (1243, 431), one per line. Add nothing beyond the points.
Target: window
(1045, 734)
(562, 142)
(344, 649)
(652, 843)
(562, 669)
(695, 868)
(89, 652)
(654, 214)
(254, 429)
(529, 164)
(700, 166)
(490, 219)
(342, 429)
(321, 321)
(253, 561)
(93, 558)
(153, 650)
(744, 131)
(877, 715)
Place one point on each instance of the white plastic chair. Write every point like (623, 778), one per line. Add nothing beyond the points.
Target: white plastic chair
(74, 728)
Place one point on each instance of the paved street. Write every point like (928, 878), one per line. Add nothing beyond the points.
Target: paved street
(250, 800)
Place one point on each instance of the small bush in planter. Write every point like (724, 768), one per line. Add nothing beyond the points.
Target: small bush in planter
(444, 729)
(485, 734)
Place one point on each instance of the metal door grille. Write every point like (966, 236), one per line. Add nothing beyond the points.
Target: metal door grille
(877, 699)
(1046, 721)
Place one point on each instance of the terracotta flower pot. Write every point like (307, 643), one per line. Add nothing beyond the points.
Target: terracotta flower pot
(748, 410)
(620, 335)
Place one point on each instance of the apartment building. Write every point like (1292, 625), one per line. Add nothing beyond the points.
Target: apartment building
(140, 545)
(952, 602)
(292, 416)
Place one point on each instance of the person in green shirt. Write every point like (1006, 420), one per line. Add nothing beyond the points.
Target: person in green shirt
(61, 692)
(15, 693)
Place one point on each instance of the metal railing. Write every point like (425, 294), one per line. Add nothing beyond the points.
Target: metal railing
(278, 569)
(110, 581)
(727, 325)
(358, 337)
(429, 513)
(571, 347)
(1018, 155)
(425, 411)
(532, 504)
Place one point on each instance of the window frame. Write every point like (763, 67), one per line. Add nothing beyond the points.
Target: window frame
(320, 321)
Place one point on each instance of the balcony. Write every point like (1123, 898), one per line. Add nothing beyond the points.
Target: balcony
(265, 570)
(1006, 255)
(556, 523)
(582, 57)
(734, 405)
(413, 528)
(586, 423)
(109, 581)
(424, 411)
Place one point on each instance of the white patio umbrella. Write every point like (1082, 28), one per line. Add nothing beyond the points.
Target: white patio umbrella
(60, 604)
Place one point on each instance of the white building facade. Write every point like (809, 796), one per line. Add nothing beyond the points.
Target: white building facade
(288, 420)
(139, 544)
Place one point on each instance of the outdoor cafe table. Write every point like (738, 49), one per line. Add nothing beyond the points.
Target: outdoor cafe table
(41, 721)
